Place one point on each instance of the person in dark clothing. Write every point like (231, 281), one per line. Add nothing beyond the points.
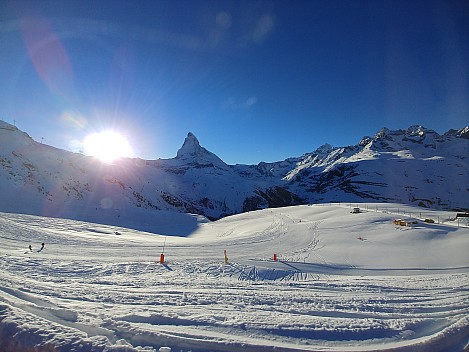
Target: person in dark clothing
(30, 248)
(42, 247)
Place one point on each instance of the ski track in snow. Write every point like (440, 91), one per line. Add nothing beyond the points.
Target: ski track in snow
(91, 290)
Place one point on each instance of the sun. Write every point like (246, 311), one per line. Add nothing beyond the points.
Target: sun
(107, 146)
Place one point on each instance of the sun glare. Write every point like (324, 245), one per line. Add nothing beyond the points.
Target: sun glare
(107, 146)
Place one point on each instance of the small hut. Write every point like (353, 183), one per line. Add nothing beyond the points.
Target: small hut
(402, 222)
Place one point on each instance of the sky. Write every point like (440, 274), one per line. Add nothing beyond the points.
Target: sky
(252, 80)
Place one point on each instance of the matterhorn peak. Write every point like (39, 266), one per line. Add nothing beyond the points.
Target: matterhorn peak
(191, 151)
(191, 147)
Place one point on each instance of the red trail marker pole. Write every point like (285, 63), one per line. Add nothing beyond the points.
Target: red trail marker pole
(162, 254)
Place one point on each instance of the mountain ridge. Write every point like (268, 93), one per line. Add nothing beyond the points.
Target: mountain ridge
(414, 166)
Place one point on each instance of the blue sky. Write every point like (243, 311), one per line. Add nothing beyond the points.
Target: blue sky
(253, 80)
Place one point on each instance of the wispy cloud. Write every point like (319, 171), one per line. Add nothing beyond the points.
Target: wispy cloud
(234, 104)
(263, 28)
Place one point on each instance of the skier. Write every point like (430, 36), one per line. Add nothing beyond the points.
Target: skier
(42, 247)
(30, 248)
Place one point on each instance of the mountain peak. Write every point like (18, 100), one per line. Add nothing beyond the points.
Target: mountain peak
(324, 149)
(191, 139)
(464, 132)
(193, 152)
(191, 147)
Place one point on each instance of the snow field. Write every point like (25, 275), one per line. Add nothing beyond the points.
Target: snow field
(91, 289)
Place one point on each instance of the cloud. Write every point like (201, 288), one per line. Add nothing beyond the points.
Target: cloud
(263, 28)
(233, 104)
(223, 20)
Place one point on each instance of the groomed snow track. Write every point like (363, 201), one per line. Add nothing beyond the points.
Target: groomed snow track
(92, 290)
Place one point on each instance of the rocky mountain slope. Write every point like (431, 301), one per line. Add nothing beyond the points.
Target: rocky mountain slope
(415, 166)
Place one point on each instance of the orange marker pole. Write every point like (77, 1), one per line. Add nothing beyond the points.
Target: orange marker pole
(275, 257)
(226, 257)
(162, 254)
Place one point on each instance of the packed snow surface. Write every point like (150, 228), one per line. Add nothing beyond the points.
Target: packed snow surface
(343, 281)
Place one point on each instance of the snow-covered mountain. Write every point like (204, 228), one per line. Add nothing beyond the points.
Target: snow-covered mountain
(415, 166)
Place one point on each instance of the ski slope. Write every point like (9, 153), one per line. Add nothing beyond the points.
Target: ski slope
(343, 282)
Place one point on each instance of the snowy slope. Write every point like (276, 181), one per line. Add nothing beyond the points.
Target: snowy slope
(344, 282)
(413, 166)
